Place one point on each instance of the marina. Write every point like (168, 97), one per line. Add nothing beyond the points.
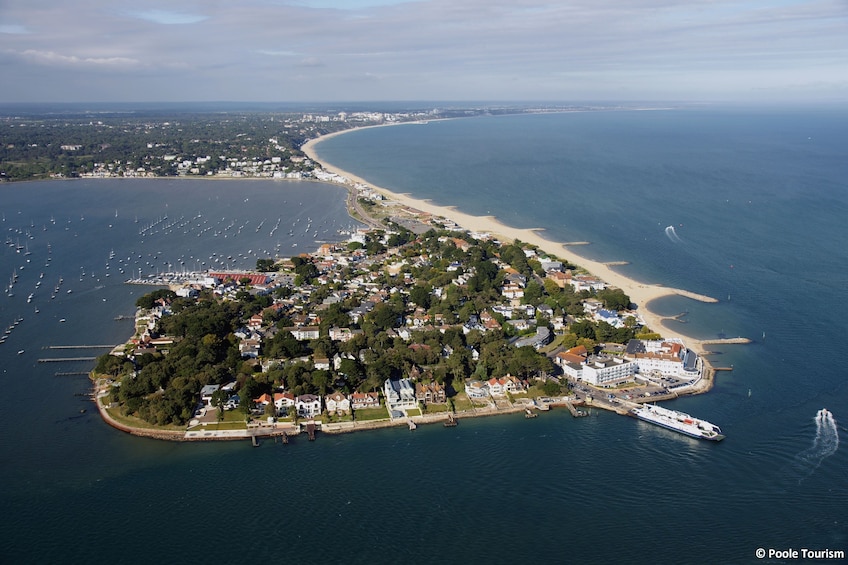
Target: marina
(781, 463)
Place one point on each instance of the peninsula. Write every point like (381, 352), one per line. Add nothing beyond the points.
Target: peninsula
(431, 315)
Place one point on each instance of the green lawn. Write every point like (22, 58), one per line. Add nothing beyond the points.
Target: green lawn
(366, 414)
(134, 422)
(461, 403)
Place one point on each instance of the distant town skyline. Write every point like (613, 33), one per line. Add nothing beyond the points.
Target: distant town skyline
(371, 50)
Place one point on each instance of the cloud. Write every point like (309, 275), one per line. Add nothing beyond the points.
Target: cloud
(276, 53)
(167, 17)
(347, 4)
(444, 49)
(51, 58)
(310, 62)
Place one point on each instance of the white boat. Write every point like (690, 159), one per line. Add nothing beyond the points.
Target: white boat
(677, 421)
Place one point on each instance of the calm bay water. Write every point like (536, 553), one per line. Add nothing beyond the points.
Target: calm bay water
(757, 200)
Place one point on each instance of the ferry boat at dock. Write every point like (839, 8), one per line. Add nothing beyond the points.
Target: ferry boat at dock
(678, 422)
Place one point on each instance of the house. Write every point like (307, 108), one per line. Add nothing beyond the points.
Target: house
(308, 405)
(504, 385)
(337, 403)
(255, 322)
(430, 393)
(550, 264)
(399, 394)
(513, 384)
(283, 400)
(305, 332)
(249, 348)
(561, 279)
(496, 387)
(574, 355)
(489, 322)
(512, 291)
(206, 393)
(476, 389)
(343, 334)
(542, 337)
(362, 400)
(263, 400)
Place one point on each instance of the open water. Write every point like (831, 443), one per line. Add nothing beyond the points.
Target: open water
(757, 200)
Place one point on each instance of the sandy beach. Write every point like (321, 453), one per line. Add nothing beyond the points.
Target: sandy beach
(640, 293)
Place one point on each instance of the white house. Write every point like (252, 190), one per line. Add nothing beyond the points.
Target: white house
(362, 400)
(283, 400)
(337, 403)
(399, 394)
(476, 389)
(206, 393)
(308, 405)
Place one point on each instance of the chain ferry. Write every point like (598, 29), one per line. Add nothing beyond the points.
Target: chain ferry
(677, 421)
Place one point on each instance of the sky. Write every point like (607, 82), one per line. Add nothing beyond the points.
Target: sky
(398, 50)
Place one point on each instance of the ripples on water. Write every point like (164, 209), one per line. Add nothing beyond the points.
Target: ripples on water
(601, 489)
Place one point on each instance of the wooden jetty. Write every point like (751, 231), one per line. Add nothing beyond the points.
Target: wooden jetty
(310, 430)
(451, 421)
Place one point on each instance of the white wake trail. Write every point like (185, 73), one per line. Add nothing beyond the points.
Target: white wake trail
(824, 445)
(672, 235)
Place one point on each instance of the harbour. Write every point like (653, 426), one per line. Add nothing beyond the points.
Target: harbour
(780, 463)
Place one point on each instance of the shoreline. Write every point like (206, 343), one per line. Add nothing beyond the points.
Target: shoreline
(641, 294)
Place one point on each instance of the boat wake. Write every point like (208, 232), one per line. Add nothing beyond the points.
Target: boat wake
(672, 235)
(824, 445)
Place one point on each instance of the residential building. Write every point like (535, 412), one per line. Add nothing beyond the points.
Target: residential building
(399, 394)
(337, 403)
(308, 405)
(362, 400)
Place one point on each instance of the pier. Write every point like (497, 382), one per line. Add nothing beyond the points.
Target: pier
(66, 359)
(79, 347)
(573, 409)
(729, 340)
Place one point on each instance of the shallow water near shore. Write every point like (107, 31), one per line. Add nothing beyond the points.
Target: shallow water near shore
(598, 489)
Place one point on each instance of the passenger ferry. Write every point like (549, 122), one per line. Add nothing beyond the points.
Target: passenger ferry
(677, 421)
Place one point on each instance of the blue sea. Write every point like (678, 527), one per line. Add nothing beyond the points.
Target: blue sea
(757, 199)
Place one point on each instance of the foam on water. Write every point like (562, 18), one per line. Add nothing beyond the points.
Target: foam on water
(825, 444)
(672, 235)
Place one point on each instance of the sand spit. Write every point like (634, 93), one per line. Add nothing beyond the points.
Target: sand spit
(640, 293)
